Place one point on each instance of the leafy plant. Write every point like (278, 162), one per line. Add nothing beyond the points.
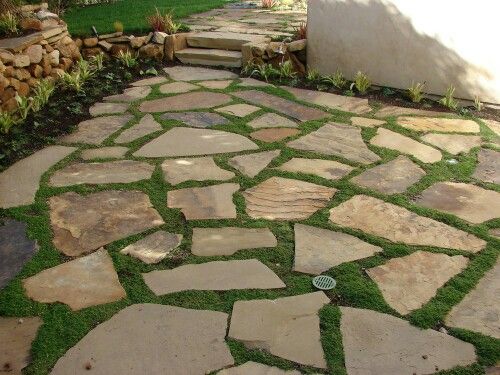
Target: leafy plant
(268, 4)
(300, 32)
(362, 82)
(448, 100)
(41, 93)
(415, 92)
(72, 81)
(312, 75)
(127, 59)
(7, 121)
(478, 105)
(118, 26)
(98, 61)
(85, 69)
(164, 22)
(286, 70)
(8, 23)
(336, 79)
(264, 71)
(24, 105)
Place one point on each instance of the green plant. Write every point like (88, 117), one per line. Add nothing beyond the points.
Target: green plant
(264, 71)
(286, 70)
(72, 81)
(312, 75)
(362, 82)
(448, 100)
(41, 93)
(24, 105)
(478, 105)
(415, 92)
(164, 22)
(8, 23)
(300, 32)
(98, 61)
(118, 26)
(336, 79)
(128, 59)
(85, 69)
(7, 121)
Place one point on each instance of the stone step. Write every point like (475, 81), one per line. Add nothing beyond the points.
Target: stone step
(223, 40)
(212, 57)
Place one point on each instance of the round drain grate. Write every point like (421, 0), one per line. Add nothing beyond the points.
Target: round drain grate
(323, 282)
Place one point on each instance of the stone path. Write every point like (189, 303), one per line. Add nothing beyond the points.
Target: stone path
(233, 199)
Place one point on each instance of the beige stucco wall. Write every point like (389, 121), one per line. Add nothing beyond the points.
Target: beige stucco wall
(399, 41)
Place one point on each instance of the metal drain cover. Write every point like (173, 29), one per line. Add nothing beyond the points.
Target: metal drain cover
(323, 282)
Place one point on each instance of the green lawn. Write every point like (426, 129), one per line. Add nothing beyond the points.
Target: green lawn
(132, 13)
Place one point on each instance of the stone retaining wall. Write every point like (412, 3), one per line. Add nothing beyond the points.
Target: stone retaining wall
(275, 53)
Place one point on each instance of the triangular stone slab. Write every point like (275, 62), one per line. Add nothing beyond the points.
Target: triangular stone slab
(177, 87)
(252, 164)
(176, 171)
(329, 169)
(191, 73)
(183, 102)
(197, 119)
(488, 167)
(272, 120)
(146, 126)
(254, 368)
(453, 143)
(153, 248)
(446, 125)
(130, 95)
(95, 131)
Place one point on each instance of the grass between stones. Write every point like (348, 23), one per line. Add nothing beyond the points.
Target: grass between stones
(63, 328)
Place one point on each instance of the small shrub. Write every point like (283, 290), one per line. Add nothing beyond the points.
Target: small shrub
(264, 71)
(118, 26)
(300, 32)
(42, 93)
(7, 121)
(362, 82)
(269, 4)
(286, 70)
(337, 80)
(478, 105)
(24, 105)
(164, 22)
(97, 61)
(72, 81)
(415, 92)
(448, 100)
(127, 59)
(312, 75)
(8, 23)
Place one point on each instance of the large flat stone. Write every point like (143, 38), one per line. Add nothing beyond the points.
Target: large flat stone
(96, 130)
(227, 241)
(446, 125)
(390, 178)
(251, 82)
(189, 73)
(176, 171)
(153, 248)
(339, 140)
(177, 87)
(399, 111)
(113, 172)
(289, 108)
(219, 275)
(409, 282)
(488, 167)
(280, 198)
(20, 182)
(468, 202)
(252, 164)
(223, 40)
(216, 85)
(130, 95)
(82, 224)
(453, 143)
(286, 327)
(210, 202)
(154, 340)
(100, 109)
(400, 225)
(317, 250)
(395, 141)
(366, 122)
(325, 99)
(197, 119)
(111, 152)
(183, 102)
(238, 110)
(329, 169)
(186, 142)
(146, 126)
(254, 368)
(272, 120)
(273, 134)
(479, 311)
(376, 343)
(20, 43)
(149, 81)
(87, 281)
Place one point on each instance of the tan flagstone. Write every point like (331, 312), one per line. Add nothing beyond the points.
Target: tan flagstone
(112, 152)
(329, 169)
(130, 95)
(399, 111)
(254, 368)
(488, 166)
(146, 126)
(182, 102)
(177, 87)
(216, 85)
(154, 247)
(100, 109)
(190, 73)
(252, 164)
(453, 143)
(96, 130)
(366, 122)
(273, 134)
(238, 110)
(272, 120)
(149, 81)
(493, 125)
(176, 171)
(438, 124)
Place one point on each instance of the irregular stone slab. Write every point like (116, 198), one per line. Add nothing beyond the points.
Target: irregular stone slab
(280, 198)
(146, 126)
(238, 110)
(197, 119)
(376, 343)
(153, 248)
(210, 202)
(177, 87)
(152, 339)
(272, 120)
(219, 275)
(325, 99)
(488, 167)
(130, 95)
(190, 73)
(16, 249)
(479, 310)
(289, 108)
(339, 140)
(113, 152)
(227, 241)
(397, 224)
(100, 109)
(329, 169)
(468, 202)
(252, 164)
(494, 232)
(95, 131)
(176, 171)
(493, 125)
(391, 178)
(366, 122)
(398, 111)
(113, 172)
(87, 281)
(495, 370)
(254, 368)
(409, 282)
(20, 182)
(317, 250)
(149, 81)
(395, 141)
(186, 142)
(191, 100)
(286, 327)
(223, 40)
(216, 85)
(446, 125)
(82, 224)
(273, 134)
(16, 336)
(252, 82)
(453, 143)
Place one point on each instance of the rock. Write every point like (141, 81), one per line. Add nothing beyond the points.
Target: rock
(251, 82)
(495, 232)
(153, 339)
(272, 120)
(36, 71)
(20, 182)
(216, 85)
(190, 73)
(21, 61)
(99, 109)
(488, 167)
(44, 14)
(453, 143)
(252, 164)
(210, 202)
(174, 43)
(176, 171)
(152, 51)
(409, 282)
(159, 37)
(317, 250)
(54, 58)
(286, 327)
(153, 248)
(219, 275)
(297, 45)
(108, 46)
(177, 87)
(384, 344)
(149, 81)
(254, 368)
(438, 124)
(16, 249)
(96, 130)
(289, 108)
(398, 111)
(19, 44)
(192, 100)
(111, 35)
(130, 95)
(197, 119)
(80, 283)
(146, 126)
(90, 42)
(366, 122)
(82, 224)
(492, 124)
(273, 134)
(227, 241)
(280, 198)
(21, 74)
(223, 40)
(395, 141)
(137, 42)
(35, 53)
(115, 152)
(400, 225)
(184, 142)
(117, 49)
(238, 110)
(390, 178)
(6, 57)
(329, 169)
(339, 140)
(468, 202)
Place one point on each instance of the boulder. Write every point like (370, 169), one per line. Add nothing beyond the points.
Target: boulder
(31, 24)
(35, 53)
(54, 58)
(21, 60)
(90, 42)
(153, 51)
